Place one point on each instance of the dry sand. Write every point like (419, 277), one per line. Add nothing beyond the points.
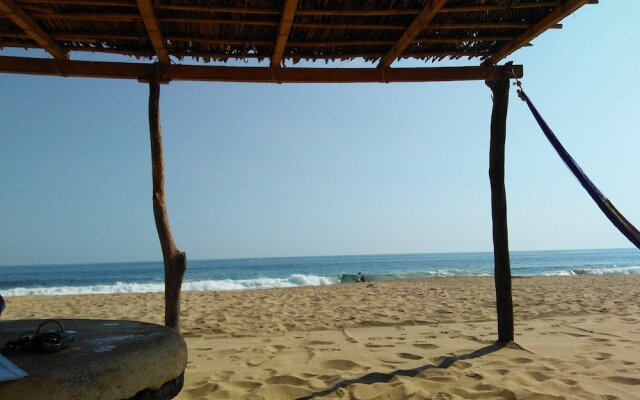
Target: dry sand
(576, 338)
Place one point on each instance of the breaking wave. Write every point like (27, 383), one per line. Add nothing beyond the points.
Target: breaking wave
(187, 286)
(633, 270)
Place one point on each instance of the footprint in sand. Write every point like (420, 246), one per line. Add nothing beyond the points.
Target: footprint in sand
(443, 396)
(399, 358)
(602, 356)
(340, 392)
(377, 346)
(255, 362)
(501, 371)
(225, 374)
(329, 379)
(625, 380)
(274, 349)
(460, 364)
(269, 372)
(539, 376)
(409, 356)
(598, 340)
(222, 353)
(318, 343)
(426, 346)
(286, 380)
(203, 389)
(246, 385)
(474, 375)
(342, 365)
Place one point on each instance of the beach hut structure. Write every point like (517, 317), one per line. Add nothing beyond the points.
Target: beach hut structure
(199, 40)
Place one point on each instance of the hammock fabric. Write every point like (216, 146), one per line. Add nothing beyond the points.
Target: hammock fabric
(605, 205)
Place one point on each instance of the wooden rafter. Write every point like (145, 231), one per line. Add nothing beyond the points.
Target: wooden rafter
(480, 25)
(112, 17)
(417, 26)
(220, 21)
(31, 28)
(325, 25)
(358, 13)
(221, 41)
(153, 30)
(288, 13)
(559, 13)
(340, 43)
(515, 6)
(467, 39)
(141, 71)
(217, 9)
(111, 3)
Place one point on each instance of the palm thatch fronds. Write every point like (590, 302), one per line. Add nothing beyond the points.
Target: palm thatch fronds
(220, 30)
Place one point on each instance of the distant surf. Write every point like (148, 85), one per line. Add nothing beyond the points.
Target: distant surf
(264, 273)
(634, 270)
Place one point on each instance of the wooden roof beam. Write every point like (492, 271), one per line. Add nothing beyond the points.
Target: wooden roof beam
(112, 17)
(559, 13)
(515, 6)
(19, 17)
(153, 30)
(219, 9)
(412, 32)
(484, 8)
(113, 3)
(286, 22)
(141, 71)
(358, 13)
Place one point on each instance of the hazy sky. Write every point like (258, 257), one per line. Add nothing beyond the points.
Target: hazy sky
(258, 170)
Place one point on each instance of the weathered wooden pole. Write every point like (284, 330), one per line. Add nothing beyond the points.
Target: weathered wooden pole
(502, 271)
(175, 261)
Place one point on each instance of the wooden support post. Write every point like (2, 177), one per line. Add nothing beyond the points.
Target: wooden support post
(504, 304)
(175, 261)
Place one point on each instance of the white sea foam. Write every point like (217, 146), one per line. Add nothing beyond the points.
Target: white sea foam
(119, 287)
(633, 270)
(189, 286)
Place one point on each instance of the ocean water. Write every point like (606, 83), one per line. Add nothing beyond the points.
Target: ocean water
(256, 273)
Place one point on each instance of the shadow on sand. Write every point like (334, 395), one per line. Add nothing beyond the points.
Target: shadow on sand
(377, 377)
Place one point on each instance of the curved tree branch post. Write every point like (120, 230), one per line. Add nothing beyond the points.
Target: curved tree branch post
(504, 303)
(175, 261)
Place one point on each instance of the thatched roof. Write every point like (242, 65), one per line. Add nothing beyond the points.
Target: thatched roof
(282, 32)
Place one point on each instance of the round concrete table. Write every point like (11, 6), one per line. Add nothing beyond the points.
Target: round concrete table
(107, 360)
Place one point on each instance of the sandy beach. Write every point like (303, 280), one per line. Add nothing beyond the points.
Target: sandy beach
(576, 338)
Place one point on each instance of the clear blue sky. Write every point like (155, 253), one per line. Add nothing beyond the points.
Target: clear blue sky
(258, 170)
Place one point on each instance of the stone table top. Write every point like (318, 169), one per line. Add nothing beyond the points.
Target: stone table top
(109, 359)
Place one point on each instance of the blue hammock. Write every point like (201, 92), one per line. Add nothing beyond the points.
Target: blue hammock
(605, 205)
